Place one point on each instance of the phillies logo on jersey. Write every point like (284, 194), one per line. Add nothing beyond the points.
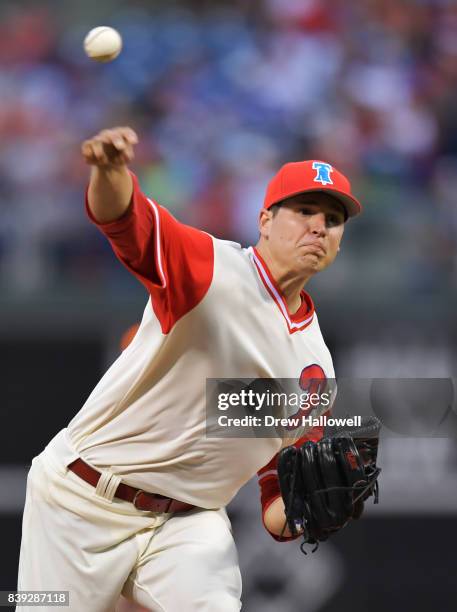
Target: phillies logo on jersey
(313, 382)
(323, 171)
(313, 379)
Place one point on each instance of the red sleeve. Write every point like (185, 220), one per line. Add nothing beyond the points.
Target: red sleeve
(269, 483)
(172, 260)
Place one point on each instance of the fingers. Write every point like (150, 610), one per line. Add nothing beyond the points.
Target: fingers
(110, 147)
(93, 152)
(98, 151)
(119, 138)
(86, 150)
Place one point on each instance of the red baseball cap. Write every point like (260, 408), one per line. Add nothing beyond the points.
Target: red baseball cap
(307, 176)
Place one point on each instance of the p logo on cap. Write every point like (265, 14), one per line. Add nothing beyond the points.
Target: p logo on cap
(323, 171)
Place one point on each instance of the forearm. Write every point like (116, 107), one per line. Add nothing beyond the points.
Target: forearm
(275, 519)
(110, 186)
(110, 191)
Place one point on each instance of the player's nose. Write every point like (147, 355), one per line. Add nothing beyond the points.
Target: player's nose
(318, 224)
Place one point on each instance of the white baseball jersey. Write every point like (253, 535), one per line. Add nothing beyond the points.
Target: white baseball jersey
(214, 311)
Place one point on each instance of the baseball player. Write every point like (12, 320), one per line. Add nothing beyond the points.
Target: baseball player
(130, 497)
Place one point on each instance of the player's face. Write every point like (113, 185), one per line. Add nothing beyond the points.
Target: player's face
(305, 234)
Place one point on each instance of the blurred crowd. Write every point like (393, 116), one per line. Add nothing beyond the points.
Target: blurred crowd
(221, 94)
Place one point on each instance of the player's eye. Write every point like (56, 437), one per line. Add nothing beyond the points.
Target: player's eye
(306, 210)
(334, 220)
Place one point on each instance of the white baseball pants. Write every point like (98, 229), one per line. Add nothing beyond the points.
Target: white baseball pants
(77, 541)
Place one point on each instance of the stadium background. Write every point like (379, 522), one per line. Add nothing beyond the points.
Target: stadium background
(222, 93)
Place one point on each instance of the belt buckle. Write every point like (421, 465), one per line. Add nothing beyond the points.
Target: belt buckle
(136, 502)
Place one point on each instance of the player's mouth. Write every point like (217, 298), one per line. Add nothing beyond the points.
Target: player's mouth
(316, 247)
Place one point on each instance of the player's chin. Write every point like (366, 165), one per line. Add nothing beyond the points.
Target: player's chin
(313, 262)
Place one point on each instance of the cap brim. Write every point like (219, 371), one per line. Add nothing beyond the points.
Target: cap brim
(351, 205)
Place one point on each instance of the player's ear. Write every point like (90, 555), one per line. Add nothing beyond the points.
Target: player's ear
(265, 220)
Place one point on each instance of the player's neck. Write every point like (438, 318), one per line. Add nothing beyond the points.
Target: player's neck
(291, 291)
(287, 282)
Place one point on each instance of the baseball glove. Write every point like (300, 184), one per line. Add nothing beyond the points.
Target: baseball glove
(324, 484)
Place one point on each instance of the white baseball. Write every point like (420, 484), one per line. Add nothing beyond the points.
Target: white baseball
(103, 44)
